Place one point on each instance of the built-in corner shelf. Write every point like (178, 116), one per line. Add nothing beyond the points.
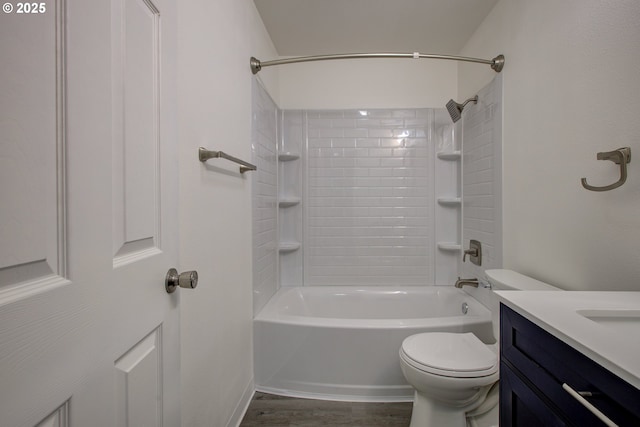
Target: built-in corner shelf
(288, 156)
(449, 201)
(286, 247)
(449, 246)
(286, 202)
(449, 155)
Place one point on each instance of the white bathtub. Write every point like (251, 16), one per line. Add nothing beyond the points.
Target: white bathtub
(341, 343)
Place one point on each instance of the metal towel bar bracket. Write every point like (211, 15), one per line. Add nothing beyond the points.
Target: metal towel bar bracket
(204, 155)
(621, 156)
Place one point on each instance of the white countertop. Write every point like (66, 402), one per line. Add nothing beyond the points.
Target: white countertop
(613, 342)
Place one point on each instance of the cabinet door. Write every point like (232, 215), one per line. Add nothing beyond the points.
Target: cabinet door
(521, 406)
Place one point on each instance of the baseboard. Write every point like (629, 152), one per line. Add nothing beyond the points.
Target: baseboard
(335, 397)
(242, 406)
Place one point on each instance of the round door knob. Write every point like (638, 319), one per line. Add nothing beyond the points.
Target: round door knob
(186, 279)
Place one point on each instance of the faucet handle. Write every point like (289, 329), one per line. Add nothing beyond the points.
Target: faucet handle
(474, 252)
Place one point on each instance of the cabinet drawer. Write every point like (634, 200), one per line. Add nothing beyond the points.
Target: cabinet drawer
(545, 363)
(520, 406)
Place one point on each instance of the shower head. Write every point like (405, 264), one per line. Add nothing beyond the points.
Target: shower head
(455, 109)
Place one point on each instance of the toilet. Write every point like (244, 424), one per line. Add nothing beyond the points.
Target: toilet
(455, 374)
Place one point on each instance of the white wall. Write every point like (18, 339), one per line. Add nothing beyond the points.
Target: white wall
(366, 83)
(571, 86)
(216, 40)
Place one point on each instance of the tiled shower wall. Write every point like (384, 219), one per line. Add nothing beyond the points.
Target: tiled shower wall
(264, 192)
(369, 198)
(367, 182)
(482, 178)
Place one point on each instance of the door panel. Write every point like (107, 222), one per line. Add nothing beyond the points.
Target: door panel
(138, 383)
(32, 253)
(59, 418)
(136, 116)
(88, 223)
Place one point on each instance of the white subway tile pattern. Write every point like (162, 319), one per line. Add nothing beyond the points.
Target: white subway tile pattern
(482, 186)
(369, 203)
(265, 194)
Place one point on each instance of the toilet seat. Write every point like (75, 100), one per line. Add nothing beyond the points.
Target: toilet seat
(449, 354)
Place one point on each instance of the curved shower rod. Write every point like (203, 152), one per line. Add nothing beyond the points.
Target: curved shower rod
(496, 63)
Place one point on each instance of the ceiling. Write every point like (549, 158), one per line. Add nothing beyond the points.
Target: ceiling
(320, 27)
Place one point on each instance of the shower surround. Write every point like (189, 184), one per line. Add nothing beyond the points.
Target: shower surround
(360, 198)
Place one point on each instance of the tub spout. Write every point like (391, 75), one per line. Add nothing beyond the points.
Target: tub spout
(466, 282)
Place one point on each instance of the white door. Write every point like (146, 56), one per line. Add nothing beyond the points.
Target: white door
(88, 215)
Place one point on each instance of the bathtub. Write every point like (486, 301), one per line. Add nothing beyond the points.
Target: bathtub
(341, 343)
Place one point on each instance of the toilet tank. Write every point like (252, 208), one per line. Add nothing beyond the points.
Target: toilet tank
(508, 280)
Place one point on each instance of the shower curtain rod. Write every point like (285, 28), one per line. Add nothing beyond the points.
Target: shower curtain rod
(496, 63)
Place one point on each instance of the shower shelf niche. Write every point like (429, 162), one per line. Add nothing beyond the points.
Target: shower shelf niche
(286, 247)
(449, 201)
(449, 246)
(288, 156)
(449, 155)
(292, 135)
(286, 202)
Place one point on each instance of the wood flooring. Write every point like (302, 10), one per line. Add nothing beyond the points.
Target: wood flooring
(278, 411)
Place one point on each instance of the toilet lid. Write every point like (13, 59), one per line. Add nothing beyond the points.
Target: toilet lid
(450, 354)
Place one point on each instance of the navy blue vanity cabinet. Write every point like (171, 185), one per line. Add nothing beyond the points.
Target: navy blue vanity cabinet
(534, 366)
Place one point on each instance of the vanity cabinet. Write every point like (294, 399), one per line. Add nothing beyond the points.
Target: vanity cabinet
(537, 372)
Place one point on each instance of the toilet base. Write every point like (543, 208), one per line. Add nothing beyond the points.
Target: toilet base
(488, 419)
(429, 413)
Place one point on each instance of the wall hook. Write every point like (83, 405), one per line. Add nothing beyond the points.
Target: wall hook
(621, 157)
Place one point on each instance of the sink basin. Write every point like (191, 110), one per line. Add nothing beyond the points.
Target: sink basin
(625, 322)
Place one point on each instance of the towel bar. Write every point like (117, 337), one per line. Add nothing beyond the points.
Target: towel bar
(204, 155)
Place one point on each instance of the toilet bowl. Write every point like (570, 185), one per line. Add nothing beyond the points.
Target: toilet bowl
(453, 373)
